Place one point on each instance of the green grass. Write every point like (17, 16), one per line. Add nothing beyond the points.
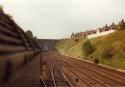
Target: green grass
(114, 41)
(71, 47)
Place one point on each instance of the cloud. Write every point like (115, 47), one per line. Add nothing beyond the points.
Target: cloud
(58, 18)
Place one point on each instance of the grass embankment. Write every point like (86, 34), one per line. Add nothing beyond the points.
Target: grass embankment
(71, 47)
(109, 49)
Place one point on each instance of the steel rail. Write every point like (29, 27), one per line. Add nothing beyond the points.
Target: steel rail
(65, 77)
(52, 68)
(41, 78)
(121, 80)
(84, 81)
(66, 66)
(93, 78)
(52, 75)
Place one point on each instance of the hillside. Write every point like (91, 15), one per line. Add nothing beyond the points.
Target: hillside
(109, 49)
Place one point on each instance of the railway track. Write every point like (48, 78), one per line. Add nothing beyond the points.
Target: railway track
(57, 77)
(102, 76)
(88, 74)
(118, 77)
(88, 80)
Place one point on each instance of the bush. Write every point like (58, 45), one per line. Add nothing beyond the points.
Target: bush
(9, 16)
(1, 9)
(108, 52)
(121, 25)
(88, 48)
(96, 61)
(76, 40)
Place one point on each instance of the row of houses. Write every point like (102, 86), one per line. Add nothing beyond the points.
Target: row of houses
(111, 28)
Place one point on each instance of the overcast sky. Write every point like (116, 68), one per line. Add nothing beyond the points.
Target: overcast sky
(59, 18)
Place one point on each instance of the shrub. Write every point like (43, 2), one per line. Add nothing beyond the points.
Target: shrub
(2, 11)
(1, 8)
(76, 40)
(88, 48)
(9, 16)
(121, 25)
(96, 61)
(108, 52)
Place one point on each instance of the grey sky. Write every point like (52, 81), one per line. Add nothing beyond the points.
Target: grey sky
(59, 18)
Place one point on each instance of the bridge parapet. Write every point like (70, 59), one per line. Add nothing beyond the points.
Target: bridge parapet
(16, 49)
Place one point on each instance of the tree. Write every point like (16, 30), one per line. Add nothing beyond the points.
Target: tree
(1, 9)
(121, 25)
(2, 12)
(29, 33)
(88, 48)
(9, 16)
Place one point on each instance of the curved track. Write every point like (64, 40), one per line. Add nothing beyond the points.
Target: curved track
(57, 77)
(101, 75)
(91, 75)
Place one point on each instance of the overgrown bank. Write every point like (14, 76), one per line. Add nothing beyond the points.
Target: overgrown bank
(109, 49)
